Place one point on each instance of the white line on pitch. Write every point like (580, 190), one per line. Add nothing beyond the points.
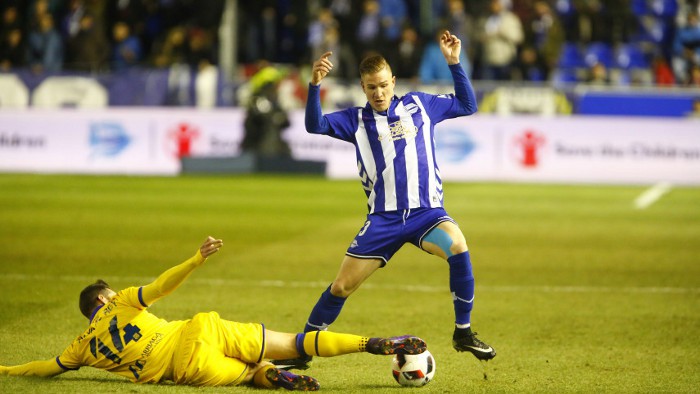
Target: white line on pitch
(137, 281)
(651, 195)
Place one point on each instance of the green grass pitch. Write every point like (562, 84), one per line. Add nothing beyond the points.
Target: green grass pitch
(576, 289)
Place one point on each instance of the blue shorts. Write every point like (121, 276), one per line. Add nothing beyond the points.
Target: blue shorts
(384, 233)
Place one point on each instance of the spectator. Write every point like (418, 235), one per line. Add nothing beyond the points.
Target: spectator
(501, 33)
(531, 66)
(344, 12)
(394, 15)
(547, 39)
(45, 47)
(10, 21)
(265, 118)
(11, 50)
(87, 50)
(317, 31)
(598, 75)
(460, 23)
(172, 49)
(127, 50)
(346, 63)
(200, 51)
(593, 21)
(622, 23)
(70, 24)
(406, 55)
(662, 72)
(686, 49)
(369, 28)
(259, 30)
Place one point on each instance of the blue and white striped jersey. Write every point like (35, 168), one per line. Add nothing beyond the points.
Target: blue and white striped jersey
(396, 149)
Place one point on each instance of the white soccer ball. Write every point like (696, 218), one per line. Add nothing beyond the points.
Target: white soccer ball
(413, 370)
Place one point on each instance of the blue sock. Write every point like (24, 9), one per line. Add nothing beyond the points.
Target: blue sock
(325, 311)
(462, 287)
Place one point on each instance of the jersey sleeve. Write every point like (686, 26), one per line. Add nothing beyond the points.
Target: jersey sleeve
(344, 124)
(69, 360)
(448, 106)
(341, 125)
(168, 281)
(133, 296)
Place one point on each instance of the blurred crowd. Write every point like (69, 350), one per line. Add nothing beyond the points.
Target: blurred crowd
(648, 42)
(107, 35)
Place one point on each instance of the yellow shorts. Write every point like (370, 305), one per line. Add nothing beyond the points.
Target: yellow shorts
(216, 352)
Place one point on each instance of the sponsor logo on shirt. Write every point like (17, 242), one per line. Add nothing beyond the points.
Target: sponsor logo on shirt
(398, 131)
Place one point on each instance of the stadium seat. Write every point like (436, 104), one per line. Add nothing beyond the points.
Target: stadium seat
(598, 52)
(630, 56)
(563, 76)
(653, 29)
(571, 56)
(664, 8)
(639, 7)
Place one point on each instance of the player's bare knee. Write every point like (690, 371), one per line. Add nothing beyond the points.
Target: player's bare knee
(458, 246)
(341, 289)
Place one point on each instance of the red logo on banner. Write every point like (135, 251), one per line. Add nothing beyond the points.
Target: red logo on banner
(528, 146)
(183, 135)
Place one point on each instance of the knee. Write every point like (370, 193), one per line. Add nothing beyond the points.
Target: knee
(341, 289)
(459, 245)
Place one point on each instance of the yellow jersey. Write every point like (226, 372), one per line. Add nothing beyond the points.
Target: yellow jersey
(126, 339)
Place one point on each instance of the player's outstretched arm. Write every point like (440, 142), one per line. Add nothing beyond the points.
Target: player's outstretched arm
(44, 369)
(172, 278)
(451, 47)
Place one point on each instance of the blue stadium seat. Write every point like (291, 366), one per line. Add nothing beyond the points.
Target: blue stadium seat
(653, 29)
(564, 76)
(598, 52)
(664, 8)
(639, 7)
(630, 56)
(571, 56)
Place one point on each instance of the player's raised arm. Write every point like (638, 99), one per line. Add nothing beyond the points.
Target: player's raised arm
(313, 120)
(172, 278)
(321, 68)
(451, 47)
(44, 369)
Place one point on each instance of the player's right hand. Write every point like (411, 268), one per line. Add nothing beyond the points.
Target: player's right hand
(210, 246)
(321, 68)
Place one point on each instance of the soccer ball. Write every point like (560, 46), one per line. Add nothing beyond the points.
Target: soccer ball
(413, 370)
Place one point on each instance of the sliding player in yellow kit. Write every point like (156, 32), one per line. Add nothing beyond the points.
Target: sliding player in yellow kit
(126, 339)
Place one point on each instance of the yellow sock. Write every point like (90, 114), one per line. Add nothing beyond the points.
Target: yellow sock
(260, 380)
(329, 344)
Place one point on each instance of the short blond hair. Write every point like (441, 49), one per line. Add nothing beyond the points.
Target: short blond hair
(373, 64)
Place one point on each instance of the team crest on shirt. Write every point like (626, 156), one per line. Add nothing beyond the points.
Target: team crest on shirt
(398, 131)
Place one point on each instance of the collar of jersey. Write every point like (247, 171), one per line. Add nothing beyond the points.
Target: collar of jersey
(95, 312)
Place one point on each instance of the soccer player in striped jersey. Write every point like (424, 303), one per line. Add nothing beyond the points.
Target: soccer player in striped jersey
(125, 339)
(394, 144)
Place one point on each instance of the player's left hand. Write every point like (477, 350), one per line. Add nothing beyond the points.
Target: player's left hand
(451, 46)
(210, 246)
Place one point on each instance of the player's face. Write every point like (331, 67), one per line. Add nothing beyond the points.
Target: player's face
(379, 89)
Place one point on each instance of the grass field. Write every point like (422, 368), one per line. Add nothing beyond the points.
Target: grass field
(577, 290)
